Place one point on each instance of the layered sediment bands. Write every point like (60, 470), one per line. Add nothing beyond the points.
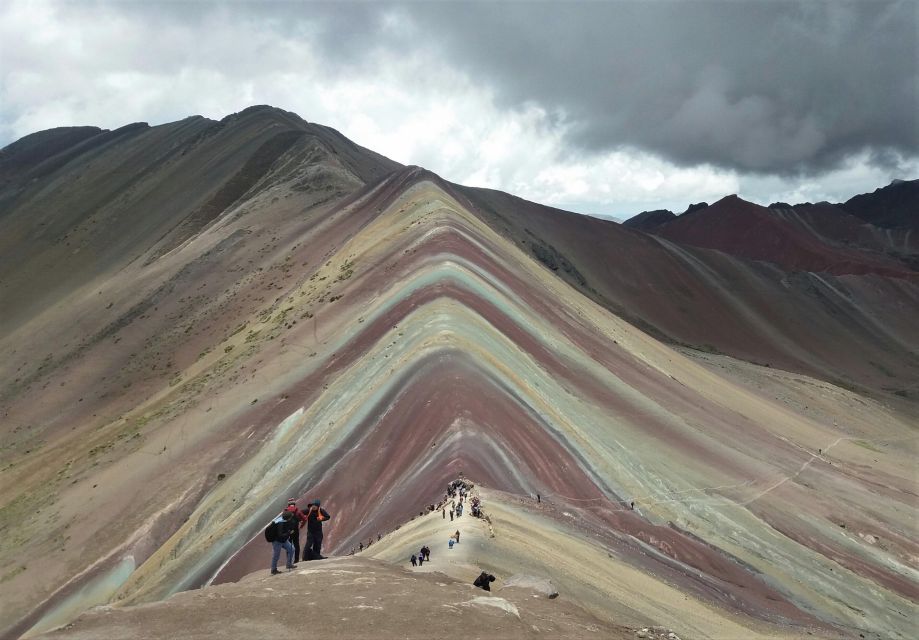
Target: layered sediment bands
(451, 360)
(364, 340)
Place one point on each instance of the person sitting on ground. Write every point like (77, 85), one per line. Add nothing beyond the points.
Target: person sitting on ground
(484, 581)
(315, 516)
(284, 526)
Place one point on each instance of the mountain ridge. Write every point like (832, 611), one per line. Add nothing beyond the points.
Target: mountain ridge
(368, 338)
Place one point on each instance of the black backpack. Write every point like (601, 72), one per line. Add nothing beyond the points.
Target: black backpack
(271, 532)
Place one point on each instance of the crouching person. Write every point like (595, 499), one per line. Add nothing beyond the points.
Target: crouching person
(484, 581)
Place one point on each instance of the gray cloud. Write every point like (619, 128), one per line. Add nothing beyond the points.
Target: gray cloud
(590, 103)
(772, 87)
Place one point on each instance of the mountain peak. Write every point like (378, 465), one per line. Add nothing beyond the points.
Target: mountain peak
(268, 310)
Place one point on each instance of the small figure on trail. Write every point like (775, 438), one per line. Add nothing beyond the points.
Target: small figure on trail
(484, 581)
(426, 552)
(369, 542)
(315, 516)
(301, 517)
(444, 512)
(538, 499)
(420, 561)
(362, 546)
(451, 542)
(456, 535)
(451, 515)
(414, 560)
(278, 533)
(632, 505)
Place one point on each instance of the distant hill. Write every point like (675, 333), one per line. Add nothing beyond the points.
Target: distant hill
(648, 220)
(895, 206)
(784, 237)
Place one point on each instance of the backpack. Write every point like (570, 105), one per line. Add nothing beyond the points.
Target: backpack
(271, 532)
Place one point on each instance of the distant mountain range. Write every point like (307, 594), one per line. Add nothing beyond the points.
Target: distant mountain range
(203, 318)
(870, 233)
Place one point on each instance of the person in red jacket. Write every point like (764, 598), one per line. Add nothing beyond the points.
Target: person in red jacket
(295, 536)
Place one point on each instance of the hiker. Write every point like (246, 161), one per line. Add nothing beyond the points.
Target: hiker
(444, 512)
(538, 499)
(315, 516)
(414, 560)
(362, 546)
(451, 515)
(484, 581)
(632, 505)
(426, 552)
(421, 560)
(283, 526)
(301, 517)
(451, 542)
(457, 536)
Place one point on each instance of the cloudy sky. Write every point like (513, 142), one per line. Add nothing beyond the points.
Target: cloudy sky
(599, 107)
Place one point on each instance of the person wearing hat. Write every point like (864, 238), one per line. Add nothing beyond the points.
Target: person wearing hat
(315, 516)
(295, 536)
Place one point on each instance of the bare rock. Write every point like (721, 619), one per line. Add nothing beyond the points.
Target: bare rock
(543, 586)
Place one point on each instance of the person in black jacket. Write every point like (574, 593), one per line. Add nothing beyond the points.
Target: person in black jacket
(285, 525)
(484, 581)
(315, 516)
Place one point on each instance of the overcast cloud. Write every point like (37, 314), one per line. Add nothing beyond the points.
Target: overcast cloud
(603, 107)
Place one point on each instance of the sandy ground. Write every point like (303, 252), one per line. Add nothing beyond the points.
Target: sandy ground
(345, 598)
(522, 537)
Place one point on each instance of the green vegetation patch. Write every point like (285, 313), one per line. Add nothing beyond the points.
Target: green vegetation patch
(867, 445)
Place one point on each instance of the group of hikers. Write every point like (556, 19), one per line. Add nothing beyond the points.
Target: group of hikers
(284, 533)
(424, 555)
(457, 493)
